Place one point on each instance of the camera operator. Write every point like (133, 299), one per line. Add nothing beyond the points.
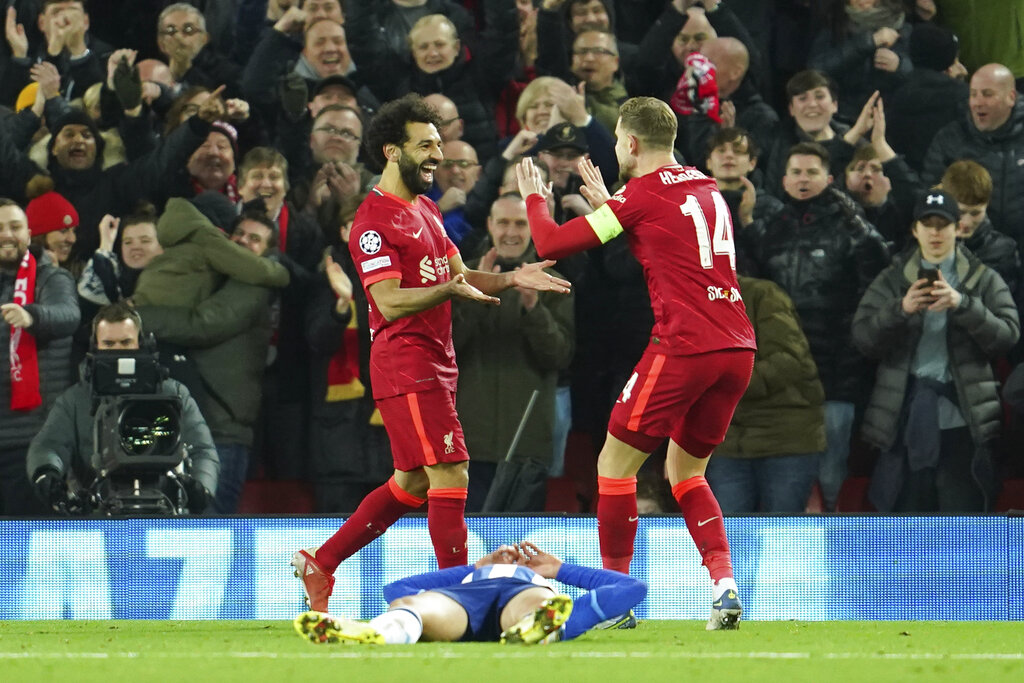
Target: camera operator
(61, 458)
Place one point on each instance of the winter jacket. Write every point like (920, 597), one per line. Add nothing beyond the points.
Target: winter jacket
(851, 64)
(55, 316)
(505, 353)
(197, 258)
(984, 326)
(1001, 152)
(66, 440)
(997, 251)
(782, 411)
(824, 255)
(919, 109)
(773, 158)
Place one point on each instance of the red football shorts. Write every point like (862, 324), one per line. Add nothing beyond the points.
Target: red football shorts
(690, 399)
(423, 428)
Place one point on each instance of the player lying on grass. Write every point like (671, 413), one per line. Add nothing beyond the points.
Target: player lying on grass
(505, 596)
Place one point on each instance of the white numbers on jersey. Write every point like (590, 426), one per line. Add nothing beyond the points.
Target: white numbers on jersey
(627, 390)
(721, 242)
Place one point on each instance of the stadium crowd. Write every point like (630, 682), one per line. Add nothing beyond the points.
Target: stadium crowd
(204, 160)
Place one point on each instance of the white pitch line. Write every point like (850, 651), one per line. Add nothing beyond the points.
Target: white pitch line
(367, 653)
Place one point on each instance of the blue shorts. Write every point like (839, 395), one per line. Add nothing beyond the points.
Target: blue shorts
(483, 602)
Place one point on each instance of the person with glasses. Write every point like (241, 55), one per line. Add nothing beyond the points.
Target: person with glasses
(454, 179)
(184, 42)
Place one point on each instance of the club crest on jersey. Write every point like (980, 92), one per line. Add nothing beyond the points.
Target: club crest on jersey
(370, 242)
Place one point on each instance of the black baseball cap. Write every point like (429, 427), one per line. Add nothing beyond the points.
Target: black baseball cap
(337, 79)
(937, 203)
(563, 135)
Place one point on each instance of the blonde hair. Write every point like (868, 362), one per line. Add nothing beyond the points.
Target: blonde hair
(434, 20)
(537, 88)
(651, 120)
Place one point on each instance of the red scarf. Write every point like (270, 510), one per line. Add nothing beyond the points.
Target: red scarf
(282, 229)
(24, 358)
(230, 190)
(343, 382)
(697, 90)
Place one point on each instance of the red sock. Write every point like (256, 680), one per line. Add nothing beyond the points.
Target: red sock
(704, 522)
(616, 521)
(446, 521)
(379, 510)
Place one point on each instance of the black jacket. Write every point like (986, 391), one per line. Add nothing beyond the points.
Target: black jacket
(1001, 152)
(915, 112)
(997, 251)
(55, 316)
(824, 254)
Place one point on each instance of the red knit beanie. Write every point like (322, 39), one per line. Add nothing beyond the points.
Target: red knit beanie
(50, 211)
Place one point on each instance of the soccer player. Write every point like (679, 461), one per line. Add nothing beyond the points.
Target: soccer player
(698, 362)
(505, 596)
(410, 271)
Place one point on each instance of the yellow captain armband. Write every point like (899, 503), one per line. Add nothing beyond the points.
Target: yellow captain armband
(605, 224)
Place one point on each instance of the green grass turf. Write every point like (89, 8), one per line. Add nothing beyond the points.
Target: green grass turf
(252, 651)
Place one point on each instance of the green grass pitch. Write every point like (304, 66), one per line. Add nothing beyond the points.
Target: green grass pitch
(679, 651)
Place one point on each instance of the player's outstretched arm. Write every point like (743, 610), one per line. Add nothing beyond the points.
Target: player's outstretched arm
(394, 301)
(550, 239)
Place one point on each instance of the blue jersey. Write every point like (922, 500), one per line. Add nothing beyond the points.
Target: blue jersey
(484, 592)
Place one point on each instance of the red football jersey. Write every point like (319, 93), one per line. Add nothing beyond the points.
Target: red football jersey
(392, 238)
(679, 228)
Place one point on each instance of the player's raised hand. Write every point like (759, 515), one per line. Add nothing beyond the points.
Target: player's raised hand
(530, 180)
(545, 564)
(458, 287)
(593, 189)
(533, 276)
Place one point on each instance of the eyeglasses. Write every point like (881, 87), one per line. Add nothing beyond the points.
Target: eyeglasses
(337, 133)
(583, 51)
(186, 29)
(461, 163)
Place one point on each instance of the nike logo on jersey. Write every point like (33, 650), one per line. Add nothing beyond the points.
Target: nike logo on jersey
(633, 519)
(707, 521)
(416, 235)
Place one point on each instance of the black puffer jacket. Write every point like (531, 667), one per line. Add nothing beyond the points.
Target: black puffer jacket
(1001, 152)
(983, 327)
(55, 314)
(920, 108)
(997, 251)
(824, 255)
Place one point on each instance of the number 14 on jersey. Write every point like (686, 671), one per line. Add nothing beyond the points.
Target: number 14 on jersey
(708, 245)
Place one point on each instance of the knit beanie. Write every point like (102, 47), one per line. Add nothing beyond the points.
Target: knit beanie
(933, 47)
(49, 211)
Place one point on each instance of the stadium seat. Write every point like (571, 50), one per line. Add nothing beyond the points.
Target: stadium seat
(853, 496)
(561, 496)
(1011, 497)
(268, 497)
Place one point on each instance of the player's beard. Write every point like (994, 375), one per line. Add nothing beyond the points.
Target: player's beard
(410, 171)
(627, 169)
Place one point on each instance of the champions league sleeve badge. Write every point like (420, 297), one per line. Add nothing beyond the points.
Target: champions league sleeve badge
(370, 242)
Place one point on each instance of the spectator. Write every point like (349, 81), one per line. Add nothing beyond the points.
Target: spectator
(813, 101)
(970, 185)
(740, 104)
(864, 47)
(388, 23)
(52, 221)
(731, 158)
(933, 96)
(506, 353)
(452, 125)
(212, 166)
(192, 59)
(441, 65)
(342, 408)
(37, 303)
(992, 134)
(78, 56)
(225, 329)
(454, 180)
(935, 319)
(770, 457)
(879, 180)
(60, 457)
(823, 254)
(107, 278)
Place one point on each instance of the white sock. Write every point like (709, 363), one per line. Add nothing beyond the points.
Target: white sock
(400, 626)
(722, 585)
